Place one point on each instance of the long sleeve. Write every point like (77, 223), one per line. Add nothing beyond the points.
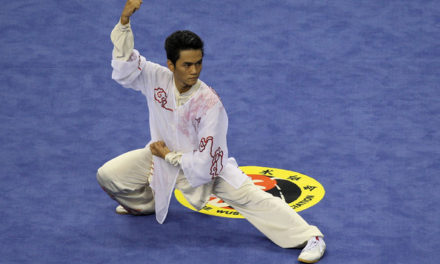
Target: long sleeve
(132, 70)
(127, 63)
(209, 160)
(123, 42)
(174, 158)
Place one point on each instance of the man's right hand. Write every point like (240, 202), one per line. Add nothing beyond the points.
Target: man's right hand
(130, 7)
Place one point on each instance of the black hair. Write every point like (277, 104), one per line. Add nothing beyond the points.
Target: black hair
(182, 40)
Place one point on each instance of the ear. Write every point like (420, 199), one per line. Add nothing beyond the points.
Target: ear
(170, 65)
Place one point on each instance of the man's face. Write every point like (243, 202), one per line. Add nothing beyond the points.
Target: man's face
(187, 69)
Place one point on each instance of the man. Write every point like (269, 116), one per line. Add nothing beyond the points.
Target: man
(188, 126)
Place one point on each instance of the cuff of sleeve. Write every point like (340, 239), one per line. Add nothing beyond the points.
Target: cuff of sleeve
(174, 158)
(123, 27)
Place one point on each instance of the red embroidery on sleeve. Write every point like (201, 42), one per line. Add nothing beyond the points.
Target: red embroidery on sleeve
(139, 63)
(217, 156)
(161, 97)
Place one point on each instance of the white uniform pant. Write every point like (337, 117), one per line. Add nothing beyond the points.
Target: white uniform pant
(126, 179)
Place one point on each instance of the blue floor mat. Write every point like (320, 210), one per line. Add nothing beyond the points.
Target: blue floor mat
(345, 92)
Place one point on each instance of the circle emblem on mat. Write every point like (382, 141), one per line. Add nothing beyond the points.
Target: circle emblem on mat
(298, 190)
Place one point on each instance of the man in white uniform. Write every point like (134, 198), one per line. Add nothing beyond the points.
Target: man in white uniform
(188, 126)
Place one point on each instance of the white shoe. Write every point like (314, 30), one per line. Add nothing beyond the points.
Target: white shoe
(121, 210)
(313, 251)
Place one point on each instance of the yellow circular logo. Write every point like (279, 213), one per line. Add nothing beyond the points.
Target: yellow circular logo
(298, 190)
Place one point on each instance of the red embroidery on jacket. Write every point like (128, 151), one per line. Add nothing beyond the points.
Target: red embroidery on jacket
(217, 156)
(161, 97)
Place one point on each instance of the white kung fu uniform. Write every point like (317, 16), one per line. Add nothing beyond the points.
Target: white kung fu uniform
(193, 124)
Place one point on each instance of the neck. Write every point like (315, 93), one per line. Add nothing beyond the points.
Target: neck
(183, 88)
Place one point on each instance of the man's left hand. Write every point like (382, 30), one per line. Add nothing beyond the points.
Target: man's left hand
(159, 149)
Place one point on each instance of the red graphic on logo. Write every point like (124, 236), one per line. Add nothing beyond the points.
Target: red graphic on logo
(263, 182)
(161, 97)
(284, 189)
(217, 156)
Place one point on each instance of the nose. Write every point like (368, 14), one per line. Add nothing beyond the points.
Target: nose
(193, 69)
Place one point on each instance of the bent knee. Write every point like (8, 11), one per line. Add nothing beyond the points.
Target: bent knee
(104, 178)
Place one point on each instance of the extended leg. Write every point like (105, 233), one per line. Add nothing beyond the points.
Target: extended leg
(269, 214)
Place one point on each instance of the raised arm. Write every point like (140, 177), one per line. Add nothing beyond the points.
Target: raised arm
(127, 62)
(130, 69)
(121, 36)
(130, 7)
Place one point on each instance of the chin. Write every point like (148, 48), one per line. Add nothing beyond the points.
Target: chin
(192, 82)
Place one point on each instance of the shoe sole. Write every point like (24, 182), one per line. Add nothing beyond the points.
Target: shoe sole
(308, 261)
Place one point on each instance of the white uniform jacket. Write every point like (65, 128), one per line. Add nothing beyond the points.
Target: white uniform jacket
(197, 129)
